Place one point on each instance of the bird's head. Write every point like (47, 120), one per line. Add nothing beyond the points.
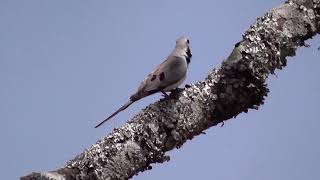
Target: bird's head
(182, 42)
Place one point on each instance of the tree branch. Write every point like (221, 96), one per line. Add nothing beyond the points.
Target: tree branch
(235, 87)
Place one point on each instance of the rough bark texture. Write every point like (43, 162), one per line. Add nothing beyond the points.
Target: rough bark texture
(235, 87)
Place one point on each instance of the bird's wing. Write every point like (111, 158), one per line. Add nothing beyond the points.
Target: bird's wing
(165, 74)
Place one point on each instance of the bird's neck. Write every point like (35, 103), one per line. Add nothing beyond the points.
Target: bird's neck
(182, 51)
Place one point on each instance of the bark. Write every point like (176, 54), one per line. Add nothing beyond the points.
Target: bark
(238, 85)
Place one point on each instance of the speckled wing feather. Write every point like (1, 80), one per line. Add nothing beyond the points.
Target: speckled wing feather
(165, 74)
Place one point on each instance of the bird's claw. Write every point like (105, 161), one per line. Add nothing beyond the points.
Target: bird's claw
(177, 90)
(222, 124)
(187, 86)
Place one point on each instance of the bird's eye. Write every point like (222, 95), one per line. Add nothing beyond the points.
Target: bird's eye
(188, 41)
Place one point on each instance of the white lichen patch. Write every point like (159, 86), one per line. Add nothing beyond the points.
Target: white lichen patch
(53, 175)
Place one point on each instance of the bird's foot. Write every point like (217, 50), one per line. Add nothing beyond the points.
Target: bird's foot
(187, 86)
(177, 90)
(174, 93)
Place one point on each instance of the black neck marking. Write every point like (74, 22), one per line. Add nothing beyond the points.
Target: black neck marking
(189, 55)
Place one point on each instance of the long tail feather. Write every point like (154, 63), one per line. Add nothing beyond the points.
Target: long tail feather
(125, 106)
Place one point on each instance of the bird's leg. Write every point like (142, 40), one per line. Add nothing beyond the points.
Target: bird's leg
(164, 94)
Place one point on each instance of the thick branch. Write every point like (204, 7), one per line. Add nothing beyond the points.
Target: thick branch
(235, 87)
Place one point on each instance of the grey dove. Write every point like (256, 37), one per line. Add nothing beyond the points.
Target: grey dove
(166, 77)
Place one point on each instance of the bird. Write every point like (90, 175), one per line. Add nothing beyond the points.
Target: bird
(166, 77)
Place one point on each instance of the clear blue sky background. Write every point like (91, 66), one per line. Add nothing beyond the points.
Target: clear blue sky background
(66, 65)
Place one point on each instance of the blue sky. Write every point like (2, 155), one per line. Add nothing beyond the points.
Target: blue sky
(66, 65)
